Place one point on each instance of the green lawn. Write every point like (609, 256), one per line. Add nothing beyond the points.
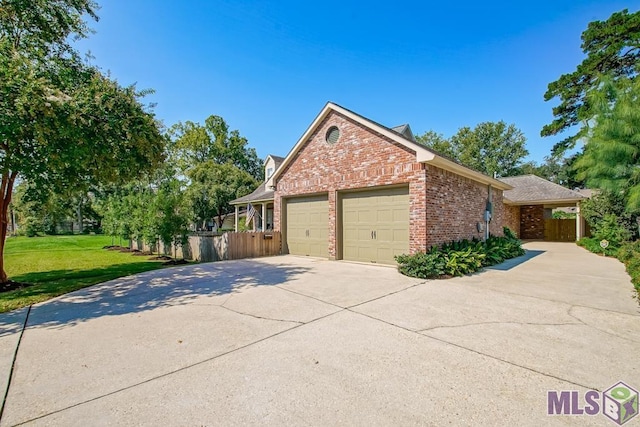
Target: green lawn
(61, 264)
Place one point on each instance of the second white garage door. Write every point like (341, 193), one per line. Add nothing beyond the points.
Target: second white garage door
(375, 225)
(308, 226)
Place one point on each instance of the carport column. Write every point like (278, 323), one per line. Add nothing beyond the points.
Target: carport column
(235, 225)
(578, 222)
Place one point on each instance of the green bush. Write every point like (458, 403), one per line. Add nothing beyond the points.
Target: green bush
(32, 226)
(611, 229)
(460, 257)
(593, 245)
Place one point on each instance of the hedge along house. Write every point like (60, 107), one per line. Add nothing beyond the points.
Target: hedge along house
(353, 189)
(529, 207)
(261, 198)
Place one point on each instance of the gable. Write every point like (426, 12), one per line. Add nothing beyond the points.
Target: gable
(421, 153)
(358, 153)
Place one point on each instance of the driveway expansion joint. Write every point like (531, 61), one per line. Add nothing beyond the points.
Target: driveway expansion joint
(501, 323)
(260, 317)
(175, 371)
(477, 352)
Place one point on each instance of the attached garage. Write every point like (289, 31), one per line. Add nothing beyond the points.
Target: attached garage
(375, 225)
(307, 226)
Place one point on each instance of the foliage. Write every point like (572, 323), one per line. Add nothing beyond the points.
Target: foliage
(213, 186)
(438, 143)
(460, 257)
(605, 203)
(170, 217)
(555, 169)
(193, 144)
(611, 159)
(63, 124)
(592, 244)
(612, 49)
(61, 264)
(563, 215)
(490, 147)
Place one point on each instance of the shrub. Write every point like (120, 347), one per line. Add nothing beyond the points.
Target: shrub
(460, 257)
(32, 226)
(610, 228)
(593, 245)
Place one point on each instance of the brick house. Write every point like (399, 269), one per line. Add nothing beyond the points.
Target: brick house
(356, 190)
(530, 204)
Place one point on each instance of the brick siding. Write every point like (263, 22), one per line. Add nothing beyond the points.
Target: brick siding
(512, 218)
(443, 206)
(532, 222)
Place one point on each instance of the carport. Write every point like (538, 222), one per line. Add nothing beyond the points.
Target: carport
(529, 209)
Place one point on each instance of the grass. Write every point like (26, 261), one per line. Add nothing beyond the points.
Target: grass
(56, 265)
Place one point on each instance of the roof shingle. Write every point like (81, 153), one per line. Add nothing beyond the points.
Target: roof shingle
(532, 188)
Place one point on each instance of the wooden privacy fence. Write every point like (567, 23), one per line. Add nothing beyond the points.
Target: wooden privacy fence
(560, 230)
(223, 247)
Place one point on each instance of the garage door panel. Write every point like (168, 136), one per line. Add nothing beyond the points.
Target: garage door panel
(307, 226)
(384, 212)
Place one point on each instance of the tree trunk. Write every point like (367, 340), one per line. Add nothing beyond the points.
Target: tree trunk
(79, 216)
(6, 191)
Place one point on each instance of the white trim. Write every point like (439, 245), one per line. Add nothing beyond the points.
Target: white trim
(542, 202)
(423, 155)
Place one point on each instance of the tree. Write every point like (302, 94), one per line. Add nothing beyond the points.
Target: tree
(213, 186)
(62, 122)
(490, 147)
(613, 49)
(171, 218)
(555, 169)
(611, 159)
(605, 212)
(194, 144)
(438, 143)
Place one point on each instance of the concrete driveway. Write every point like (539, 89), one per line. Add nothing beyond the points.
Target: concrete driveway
(299, 341)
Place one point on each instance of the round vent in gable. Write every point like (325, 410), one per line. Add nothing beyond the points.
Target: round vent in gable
(332, 135)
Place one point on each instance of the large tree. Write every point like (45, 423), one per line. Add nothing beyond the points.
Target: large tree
(611, 159)
(490, 147)
(560, 170)
(612, 49)
(213, 186)
(63, 123)
(193, 144)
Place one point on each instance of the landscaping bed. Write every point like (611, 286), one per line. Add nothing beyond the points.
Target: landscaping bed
(460, 257)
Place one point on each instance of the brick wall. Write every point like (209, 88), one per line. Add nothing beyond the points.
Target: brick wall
(532, 222)
(512, 218)
(364, 159)
(455, 206)
(360, 159)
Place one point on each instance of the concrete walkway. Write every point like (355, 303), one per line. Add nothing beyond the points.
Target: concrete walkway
(300, 341)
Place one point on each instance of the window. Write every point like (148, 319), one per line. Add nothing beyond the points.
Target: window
(269, 172)
(332, 135)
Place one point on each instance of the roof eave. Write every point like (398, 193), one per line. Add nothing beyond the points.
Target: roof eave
(423, 155)
(236, 202)
(449, 165)
(541, 201)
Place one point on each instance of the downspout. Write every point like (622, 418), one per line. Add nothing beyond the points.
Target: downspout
(488, 212)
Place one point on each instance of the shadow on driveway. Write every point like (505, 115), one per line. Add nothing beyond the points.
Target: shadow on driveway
(150, 290)
(514, 262)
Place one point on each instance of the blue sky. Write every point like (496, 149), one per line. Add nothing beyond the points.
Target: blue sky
(269, 67)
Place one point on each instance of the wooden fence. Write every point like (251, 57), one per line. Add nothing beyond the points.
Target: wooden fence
(560, 230)
(227, 246)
